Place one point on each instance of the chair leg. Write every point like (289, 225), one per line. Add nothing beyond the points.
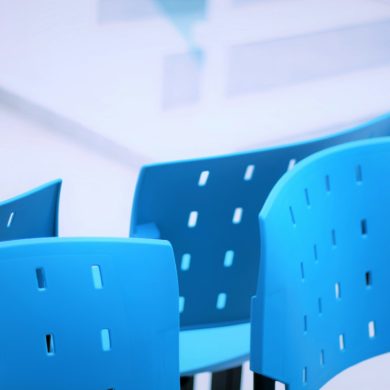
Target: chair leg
(186, 383)
(227, 380)
(261, 382)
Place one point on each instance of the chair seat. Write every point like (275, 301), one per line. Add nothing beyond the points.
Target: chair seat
(213, 349)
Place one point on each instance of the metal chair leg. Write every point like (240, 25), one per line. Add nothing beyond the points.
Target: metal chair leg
(186, 383)
(227, 380)
(261, 382)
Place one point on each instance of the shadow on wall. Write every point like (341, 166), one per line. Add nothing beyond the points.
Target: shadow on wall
(182, 74)
(182, 13)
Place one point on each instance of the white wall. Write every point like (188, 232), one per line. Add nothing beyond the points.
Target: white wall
(97, 190)
(230, 75)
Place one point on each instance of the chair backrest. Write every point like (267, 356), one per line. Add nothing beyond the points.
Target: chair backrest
(323, 289)
(208, 209)
(32, 214)
(93, 314)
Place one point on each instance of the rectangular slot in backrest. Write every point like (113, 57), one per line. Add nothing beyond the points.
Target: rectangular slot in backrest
(322, 357)
(337, 290)
(203, 178)
(359, 174)
(291, 164)
(181, 304)
(10, 219)
(368, 279)
(363, 227)
(371, 329)
(41, 278)
(250, 169)
(304, 375)
(221, 301)
(192, 219)
(185, 262)
(237, 215)
(49, 344)
(97, 277)
(327, 183)
(229, 257)
(341, 342)
(106, 339)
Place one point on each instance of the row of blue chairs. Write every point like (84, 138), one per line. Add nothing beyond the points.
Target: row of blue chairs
(100, 299)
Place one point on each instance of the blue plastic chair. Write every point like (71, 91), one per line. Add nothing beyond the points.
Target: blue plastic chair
(208, 209)
(91, 314)
(32, 214)
(323, 291)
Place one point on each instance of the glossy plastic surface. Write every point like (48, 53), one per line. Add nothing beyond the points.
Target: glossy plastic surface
(323, 291)
(213, 349)
(91, 314)
(32, 214)
(208, 209)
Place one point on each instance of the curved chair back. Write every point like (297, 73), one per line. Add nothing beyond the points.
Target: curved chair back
(93, 314)
(323, 289)
(208, 209)
(32, 214)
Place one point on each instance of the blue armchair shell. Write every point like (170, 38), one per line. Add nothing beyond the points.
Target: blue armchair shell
(208, 209)
(93, 314)
(323, 290)
(32, 214)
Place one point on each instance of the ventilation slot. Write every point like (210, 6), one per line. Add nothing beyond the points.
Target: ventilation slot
(304, 375)
(341, 342)
(368, 278)
(181, 304)
(185, 262)
(333, 237)
(302, 272)
(363, 227)
(41, 278)
(250, 169)
(305, 324)
(371, 329)
(49, 338)
(106, 339)
(322, 357)
(203, 178)
(10, 219)
(307, 198)
(97, 277)
(229, 257)
(319, 306)
(327, 183)
(292, 215)
(315, 253)
(359, 174)
(337, 290)
(291, 164)
(221, 301)
(237, 215)
(192, 219)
